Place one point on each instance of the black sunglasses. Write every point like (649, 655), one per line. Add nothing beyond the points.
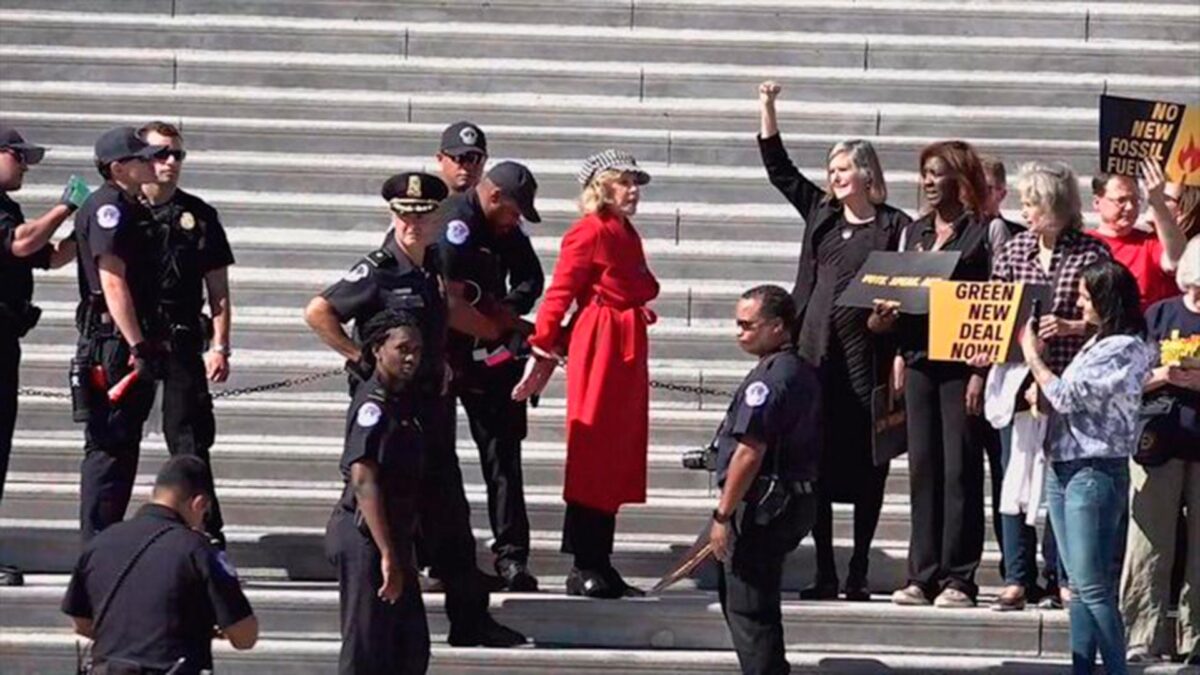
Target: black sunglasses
(468, 158)
(167, 153)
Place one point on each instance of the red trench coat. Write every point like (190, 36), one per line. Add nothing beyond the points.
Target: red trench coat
(602, 268)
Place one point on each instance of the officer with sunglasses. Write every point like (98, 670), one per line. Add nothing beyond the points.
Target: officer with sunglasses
(24, 245)
(123, 340)
(461, 156)
(194, 266)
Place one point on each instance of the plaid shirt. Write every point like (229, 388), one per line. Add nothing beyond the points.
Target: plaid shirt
(1018, 262)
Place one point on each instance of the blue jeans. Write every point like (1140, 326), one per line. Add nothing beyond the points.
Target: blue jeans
(1089, 507)
(1019, 543)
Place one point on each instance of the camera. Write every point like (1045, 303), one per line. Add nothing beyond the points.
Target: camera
(704, 459)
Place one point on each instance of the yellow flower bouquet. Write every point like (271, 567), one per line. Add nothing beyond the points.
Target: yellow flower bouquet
(1181, 351)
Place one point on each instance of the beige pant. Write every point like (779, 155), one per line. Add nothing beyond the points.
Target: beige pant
(1155, 497)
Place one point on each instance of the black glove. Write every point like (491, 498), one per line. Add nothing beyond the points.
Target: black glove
(360, 369)
(149, 359)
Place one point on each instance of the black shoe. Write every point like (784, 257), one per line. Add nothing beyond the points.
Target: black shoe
(590, 584)
(856, 591)
(517, 578)
(11, 576)
(486, 633)
(622, 589)
(490, 582)
(1194, 658)
(822, 590)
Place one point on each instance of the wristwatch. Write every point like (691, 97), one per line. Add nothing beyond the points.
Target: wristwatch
(223, 350)
(722, 519)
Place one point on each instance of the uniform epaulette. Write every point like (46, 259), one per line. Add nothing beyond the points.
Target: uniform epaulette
(381, 257)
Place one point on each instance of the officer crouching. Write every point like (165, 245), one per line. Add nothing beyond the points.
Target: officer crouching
(767, 453)
(152, 591)
(370, 534)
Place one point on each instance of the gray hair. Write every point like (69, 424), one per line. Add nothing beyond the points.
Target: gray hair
(1054, 187)
(1187, 274)
(863, 157)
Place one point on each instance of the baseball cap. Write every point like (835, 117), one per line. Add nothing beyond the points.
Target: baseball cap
(413, 192)
(518, 184)
(10, 139)
(123, 143)
(463, 137)
(615, 160)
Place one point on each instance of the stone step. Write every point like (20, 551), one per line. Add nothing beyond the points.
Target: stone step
(797, 112)
(307, 504)
(677, 620)
(1010, 19)
(595, 43)
(30, 650)
(667, 147)
(551, 77)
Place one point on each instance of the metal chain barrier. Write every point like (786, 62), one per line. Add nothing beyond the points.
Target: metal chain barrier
(281, 384)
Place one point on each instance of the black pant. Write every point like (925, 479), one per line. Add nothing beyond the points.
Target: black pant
(866, 518)
(990, 438)
(447, 543)
(945, 465)
(498, 425)
(112, 442)
(187, 418)
(10, 372)
(588, 534)
(749, 587)
(378, 638)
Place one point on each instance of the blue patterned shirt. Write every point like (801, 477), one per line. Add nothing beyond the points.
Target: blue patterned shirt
(1095, 402)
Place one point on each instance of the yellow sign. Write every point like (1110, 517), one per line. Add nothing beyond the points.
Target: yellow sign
(1166, 132)
(969, 318)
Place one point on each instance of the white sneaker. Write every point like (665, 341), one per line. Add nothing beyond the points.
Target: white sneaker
(952, 598)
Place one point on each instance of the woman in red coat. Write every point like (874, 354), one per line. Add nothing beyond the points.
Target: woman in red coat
(602, 269)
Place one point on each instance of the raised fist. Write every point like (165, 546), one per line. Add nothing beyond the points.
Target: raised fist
(768, 91)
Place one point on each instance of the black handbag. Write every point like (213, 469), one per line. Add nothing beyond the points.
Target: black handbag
(1160, 430)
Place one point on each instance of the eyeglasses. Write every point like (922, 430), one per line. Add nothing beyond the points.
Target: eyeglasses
(467, 158)
(167, 153)
(20, 156)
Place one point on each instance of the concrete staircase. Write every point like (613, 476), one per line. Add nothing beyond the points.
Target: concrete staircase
(295, 110)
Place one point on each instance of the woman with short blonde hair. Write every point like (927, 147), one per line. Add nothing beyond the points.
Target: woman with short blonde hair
(602, 270)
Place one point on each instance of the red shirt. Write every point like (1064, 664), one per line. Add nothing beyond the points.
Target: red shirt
(1142, 253)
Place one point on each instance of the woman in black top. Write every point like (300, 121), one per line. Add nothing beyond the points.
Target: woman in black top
(945, 457)
(843, 226)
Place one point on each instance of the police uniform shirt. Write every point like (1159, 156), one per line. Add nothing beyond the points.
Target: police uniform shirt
(112, 223)
(178, 590)
(777, 404)
(388, 279)
(16, 276)
(383, 427)
(195, 245)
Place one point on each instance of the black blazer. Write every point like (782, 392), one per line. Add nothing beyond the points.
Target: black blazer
(819, 215)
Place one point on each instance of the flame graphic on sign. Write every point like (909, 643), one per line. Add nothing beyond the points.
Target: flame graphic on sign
(1189, 157)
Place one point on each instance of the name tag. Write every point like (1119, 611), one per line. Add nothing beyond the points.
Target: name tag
(408, 302)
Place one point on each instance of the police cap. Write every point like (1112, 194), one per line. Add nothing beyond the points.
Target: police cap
(11, 140)
(413, 192)
(518, 184)
(123, 143)
(462, 138)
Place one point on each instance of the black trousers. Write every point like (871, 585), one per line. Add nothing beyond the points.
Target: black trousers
(498, 425)
(866, 519)
(447, 543)
(378, 638)
(10, 373)
(112, 438)
(989, 437)
(113, 434)
(945, 465)
(749, 586)
(588, 535)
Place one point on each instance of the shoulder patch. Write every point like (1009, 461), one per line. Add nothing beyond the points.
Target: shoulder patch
(223, 561)
(756, 393)
(457, 232)
(369, 414)
(380, 257)
(356, 273)
(108, 216)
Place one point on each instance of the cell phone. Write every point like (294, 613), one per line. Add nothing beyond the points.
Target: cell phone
(1036, 315)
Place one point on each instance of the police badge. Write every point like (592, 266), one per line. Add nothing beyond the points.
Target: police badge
(187, 222)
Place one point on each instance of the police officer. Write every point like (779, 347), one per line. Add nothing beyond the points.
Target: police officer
(150, 591)
(461, 156)
(489, 261)
(401, 276)
(24, 245)
(370, 534)
(766, 467)
(121, 331)
(196, 257)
